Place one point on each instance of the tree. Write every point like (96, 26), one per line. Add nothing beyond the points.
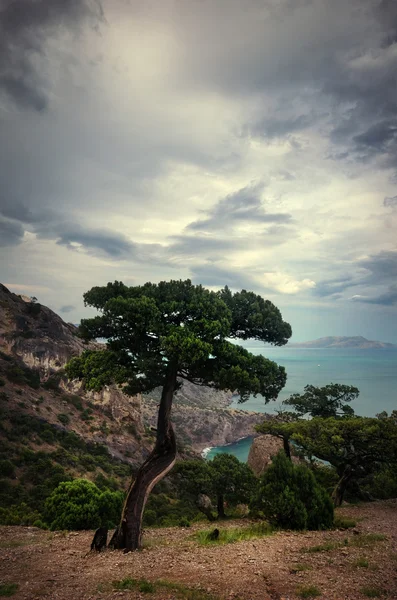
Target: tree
(283, 427)
(233, 481)
(161, 334)
(223, 479)
(289, 496)
(327, 401)
(80, 504)
(355, 446)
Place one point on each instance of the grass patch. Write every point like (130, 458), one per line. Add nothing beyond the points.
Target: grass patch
(300, 567)
(367, 540)
(360, 541)
(308, 591)
(234, 534)
(144, 586)
(326, 547)
(372, 591)
(361, 562)
(344, 522)
(8, 589)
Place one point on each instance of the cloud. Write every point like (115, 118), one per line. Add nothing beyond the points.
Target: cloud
(388, 298)
(332, 287)
(11, 233)
(242, 207)
(286, 284)
(24, 28)
(67, 308)
(110, 243)
(390, 201)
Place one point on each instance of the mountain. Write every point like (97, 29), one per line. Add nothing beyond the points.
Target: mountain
(343, 342)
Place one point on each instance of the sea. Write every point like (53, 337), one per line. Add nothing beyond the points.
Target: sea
(372, 371)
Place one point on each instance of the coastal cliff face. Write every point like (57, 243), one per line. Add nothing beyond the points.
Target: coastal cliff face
(33, 337)
(36, 334)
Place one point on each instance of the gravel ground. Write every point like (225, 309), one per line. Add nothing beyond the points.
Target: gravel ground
(354, 565)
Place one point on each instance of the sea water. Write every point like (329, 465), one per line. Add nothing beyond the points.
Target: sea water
(372, 371)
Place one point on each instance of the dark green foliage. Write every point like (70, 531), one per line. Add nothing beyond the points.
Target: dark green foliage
(2, 382)
(74, 400)
(22, 375)
(166, 510)
(327, 401)
(149, 325)
(8, 589)
(7, 469)
(224, 479)
(64, 419)
(33, 308)
(52, 383)
(39, 473)
(290, 497)
(80, 504)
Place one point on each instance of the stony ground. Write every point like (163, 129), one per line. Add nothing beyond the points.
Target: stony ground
(351, 565)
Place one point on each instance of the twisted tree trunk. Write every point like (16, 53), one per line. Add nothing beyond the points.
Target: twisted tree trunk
(156, 466)
(221, 507)
(340, 488)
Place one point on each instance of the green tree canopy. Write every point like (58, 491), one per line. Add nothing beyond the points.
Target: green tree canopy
(80, 504)
(223, 479)
(161, 334)
(289, 496)
(328, 401)
(354, 446)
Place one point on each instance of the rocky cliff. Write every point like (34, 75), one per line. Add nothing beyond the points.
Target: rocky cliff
(39, 343)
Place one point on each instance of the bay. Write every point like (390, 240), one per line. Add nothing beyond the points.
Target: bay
(372, 371)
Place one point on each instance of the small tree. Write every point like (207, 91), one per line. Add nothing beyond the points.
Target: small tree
(355, 447)
(162, 334)
(233, 481)
(223, 479)
(80, 504)
(327, 401)
(290, 497)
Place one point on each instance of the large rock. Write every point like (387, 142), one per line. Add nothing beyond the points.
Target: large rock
(263, 448)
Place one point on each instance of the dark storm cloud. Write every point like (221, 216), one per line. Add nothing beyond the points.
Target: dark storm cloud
(242, 206)
(112, 244)
(24, 26)
(212, 275)
(279, 128)
(390, 201)
(388, 298)
(332, 287)
(67, 308)
(11, 233)
(380, 273)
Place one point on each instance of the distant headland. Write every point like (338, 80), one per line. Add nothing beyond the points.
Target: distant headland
(342, 342)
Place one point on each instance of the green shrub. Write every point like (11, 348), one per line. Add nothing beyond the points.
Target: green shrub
(8, 589)
(7, 468)
(2, 382)
(22, 375)
(64, 419)
(80, 504)
(308, 591)
(290, 497)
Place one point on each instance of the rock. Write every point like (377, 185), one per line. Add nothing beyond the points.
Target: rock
(263, 448)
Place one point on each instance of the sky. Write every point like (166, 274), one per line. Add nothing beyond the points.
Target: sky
(250, 144)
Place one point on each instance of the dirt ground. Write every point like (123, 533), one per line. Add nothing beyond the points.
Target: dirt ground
(353, 565)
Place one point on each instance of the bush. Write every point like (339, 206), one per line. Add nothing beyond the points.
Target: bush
(290, 497)
(64, 419)
(6, 468)
(80, 504)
